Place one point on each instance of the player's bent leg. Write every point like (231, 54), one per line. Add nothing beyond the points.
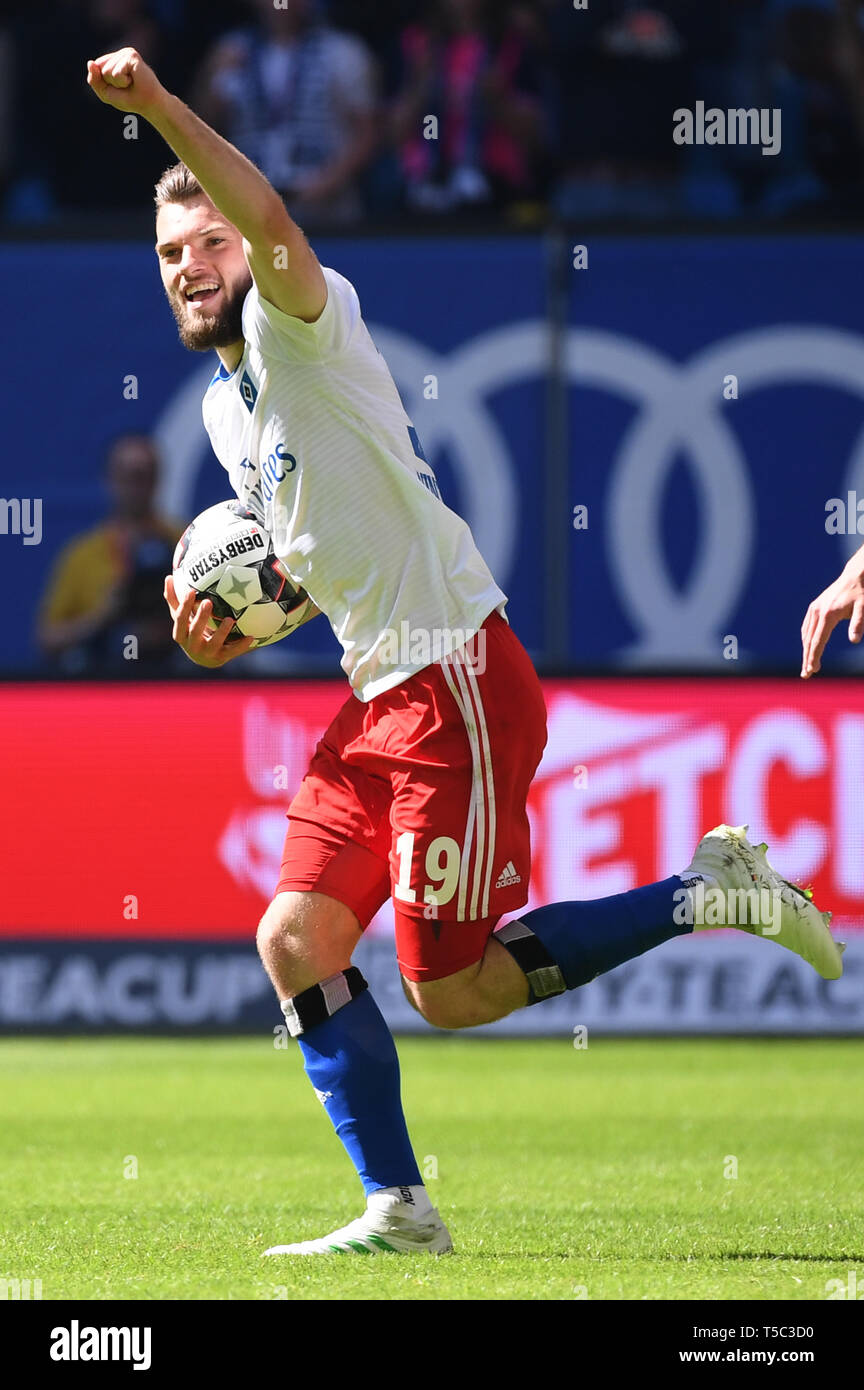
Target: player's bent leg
(482, 993)
(542, 954)
(566, 945)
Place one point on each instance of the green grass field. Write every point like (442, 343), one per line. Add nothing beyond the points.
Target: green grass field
(596, 1173)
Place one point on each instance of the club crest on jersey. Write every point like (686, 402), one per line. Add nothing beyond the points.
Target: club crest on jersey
(248, 390)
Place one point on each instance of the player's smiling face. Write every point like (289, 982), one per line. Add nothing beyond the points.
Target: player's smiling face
(204, 271)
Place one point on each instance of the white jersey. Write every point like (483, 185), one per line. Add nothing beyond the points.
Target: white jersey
(314, 437)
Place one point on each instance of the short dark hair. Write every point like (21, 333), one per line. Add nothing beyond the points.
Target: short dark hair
(177, 185)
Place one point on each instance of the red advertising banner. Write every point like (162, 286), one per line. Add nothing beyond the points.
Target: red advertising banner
(158, 810)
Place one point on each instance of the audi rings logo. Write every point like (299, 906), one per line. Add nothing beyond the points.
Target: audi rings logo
(680, 415)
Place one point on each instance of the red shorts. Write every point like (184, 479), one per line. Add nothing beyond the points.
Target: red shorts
(421, 793)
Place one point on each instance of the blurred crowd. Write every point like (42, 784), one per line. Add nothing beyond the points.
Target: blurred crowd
(380, 110)
(105, 587)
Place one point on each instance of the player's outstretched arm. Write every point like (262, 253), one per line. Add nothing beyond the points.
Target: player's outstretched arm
(283, 264)
(841, 600)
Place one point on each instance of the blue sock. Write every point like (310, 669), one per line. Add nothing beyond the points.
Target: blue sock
(351, 1061)
(585, 939)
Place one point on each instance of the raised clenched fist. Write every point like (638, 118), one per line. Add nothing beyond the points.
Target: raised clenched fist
(123, 80)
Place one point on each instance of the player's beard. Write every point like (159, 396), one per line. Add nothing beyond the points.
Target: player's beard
(199, 330)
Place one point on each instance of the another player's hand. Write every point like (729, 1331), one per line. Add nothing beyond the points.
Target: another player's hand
(841, 600)
(190, 630)
(123, 80)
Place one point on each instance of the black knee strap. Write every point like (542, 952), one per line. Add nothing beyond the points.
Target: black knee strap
(542, 971)
(321, 1001)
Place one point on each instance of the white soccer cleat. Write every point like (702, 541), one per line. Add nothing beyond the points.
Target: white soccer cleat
(388, 1226)
(725, 854)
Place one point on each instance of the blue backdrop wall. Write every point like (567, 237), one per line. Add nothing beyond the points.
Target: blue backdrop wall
(700, 399)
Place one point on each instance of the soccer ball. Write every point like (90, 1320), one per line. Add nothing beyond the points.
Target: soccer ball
(226, 556)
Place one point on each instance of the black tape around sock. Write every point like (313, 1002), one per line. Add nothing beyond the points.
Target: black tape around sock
(542, 971)
(320, 1002)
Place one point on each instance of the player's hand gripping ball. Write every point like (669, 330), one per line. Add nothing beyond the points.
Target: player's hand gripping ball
(226, 556)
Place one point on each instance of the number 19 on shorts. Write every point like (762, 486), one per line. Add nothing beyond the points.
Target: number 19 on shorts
(442, 865)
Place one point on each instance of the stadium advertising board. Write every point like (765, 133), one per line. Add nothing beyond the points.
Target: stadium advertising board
(142, 829)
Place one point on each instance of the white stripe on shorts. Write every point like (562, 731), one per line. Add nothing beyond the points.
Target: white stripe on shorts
(474, 685)
(470, 703)
(472, 799)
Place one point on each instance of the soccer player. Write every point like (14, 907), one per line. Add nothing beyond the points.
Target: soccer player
(418, 787)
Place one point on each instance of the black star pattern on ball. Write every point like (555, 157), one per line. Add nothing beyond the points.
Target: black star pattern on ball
(239, 586)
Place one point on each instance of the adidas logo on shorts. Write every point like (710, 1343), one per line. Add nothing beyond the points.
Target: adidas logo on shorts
(508, 876)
